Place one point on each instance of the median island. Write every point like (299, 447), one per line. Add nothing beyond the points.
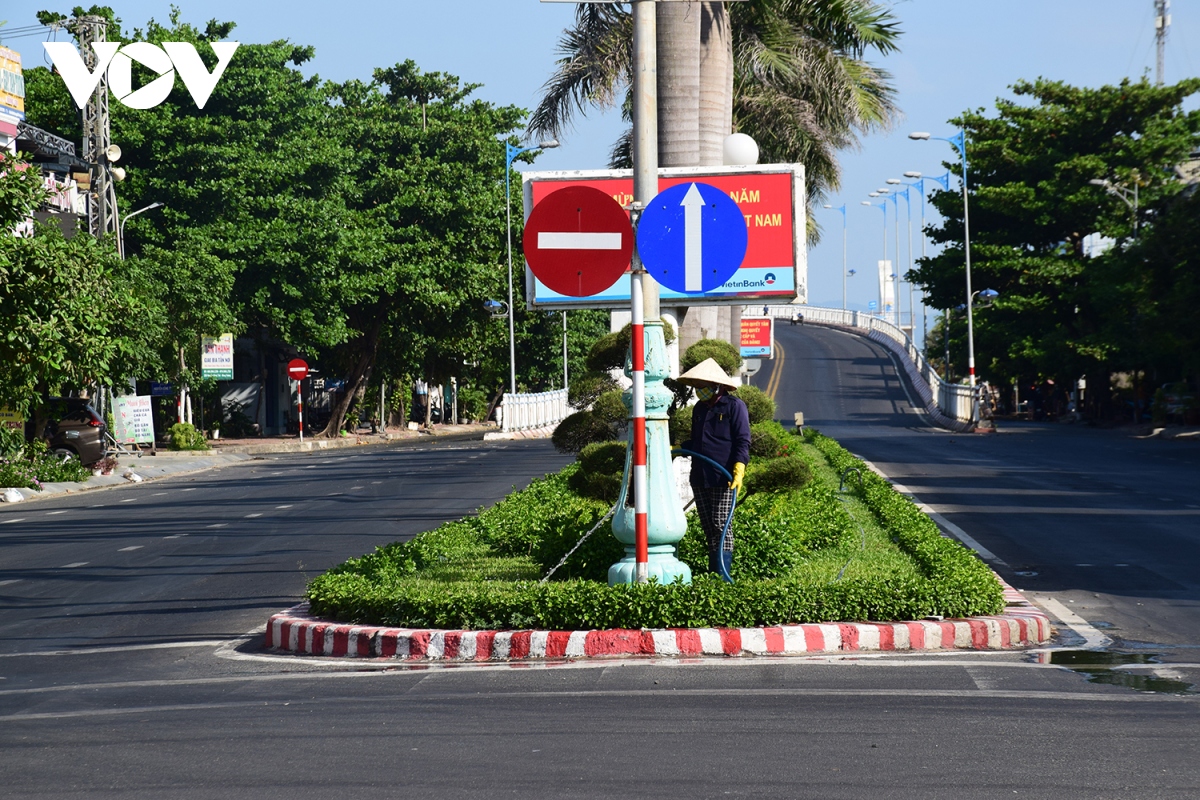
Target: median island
(809, 550)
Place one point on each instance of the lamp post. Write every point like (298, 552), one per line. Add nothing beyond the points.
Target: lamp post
(895, 196)
(1118, 190)
(842, 208)
(959, 142)
(919, 181)
(882, 206)
(126, 218)
(511, 153)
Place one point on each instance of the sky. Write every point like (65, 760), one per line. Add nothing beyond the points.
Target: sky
(954, 55)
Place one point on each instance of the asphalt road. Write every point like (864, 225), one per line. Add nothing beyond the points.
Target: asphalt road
(131, 673)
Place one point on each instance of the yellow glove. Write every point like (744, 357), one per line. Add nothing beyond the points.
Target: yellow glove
(739, 472)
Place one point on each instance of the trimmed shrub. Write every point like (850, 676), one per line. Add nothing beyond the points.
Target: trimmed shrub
(587, 388)
(759, 406)
(610, 408)
(770, 440)
(608, 352)
(680, 425)
(776, 475)
(185, 437)
(579, 430)
(718, 350)
(601, 466)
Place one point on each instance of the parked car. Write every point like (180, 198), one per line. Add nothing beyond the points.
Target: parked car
(75, 429)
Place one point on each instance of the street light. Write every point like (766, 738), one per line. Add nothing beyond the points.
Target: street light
(842, 208)
(882, 207)
(511, 153)
(959, 142)
(126, 218)
(1117, 190)
(919, 182)
(895, 198)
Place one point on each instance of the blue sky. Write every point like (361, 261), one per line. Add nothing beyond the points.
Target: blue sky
(955, 54)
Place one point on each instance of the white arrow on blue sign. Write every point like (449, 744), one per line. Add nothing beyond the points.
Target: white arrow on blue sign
(692, 237)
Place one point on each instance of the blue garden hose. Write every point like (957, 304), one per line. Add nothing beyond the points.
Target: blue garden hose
(728, 520)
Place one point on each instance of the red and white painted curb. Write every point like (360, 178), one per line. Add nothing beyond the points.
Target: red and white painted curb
(1022, 625)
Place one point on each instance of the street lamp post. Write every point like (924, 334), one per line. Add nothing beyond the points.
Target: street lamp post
(511, 154)
(895, 198)
(842, 208)
(882, 206)
(1120, 191)
(959, 142)
(126, 218)
(919, 182)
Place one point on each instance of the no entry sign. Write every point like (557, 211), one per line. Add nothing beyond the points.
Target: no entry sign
(297, 369)
(578, 241)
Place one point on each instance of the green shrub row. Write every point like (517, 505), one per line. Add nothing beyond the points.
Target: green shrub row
(965, 585)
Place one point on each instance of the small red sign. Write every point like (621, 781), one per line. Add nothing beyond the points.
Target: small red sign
(297, 369)
(578, 241)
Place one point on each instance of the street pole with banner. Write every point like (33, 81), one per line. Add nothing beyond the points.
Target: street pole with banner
(297, 370)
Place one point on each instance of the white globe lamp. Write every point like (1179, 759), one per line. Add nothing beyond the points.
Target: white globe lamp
(739, 150)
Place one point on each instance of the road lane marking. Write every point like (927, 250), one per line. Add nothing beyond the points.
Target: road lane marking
(218, 525)
(10, 581)
(52, 513)
(288, 506)
(352, 488)
(776, 370)
(11, 521)
(191, 489)
(129, 500)
(131, 548)
(87, 651)
(158, 494)
(1093, 639)
(75, 564)
(252, 516)
(176, 536)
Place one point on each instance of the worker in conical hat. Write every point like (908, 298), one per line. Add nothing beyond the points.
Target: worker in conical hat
(721, 431)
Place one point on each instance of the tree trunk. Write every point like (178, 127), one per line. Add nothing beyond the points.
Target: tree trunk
(716, 82)
(678, 67)
(355, 382)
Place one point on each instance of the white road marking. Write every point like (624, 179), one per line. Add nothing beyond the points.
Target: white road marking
(191, 489)
(11, 521)
(9, 581)
(131, 548)
(75, 564)
(1093, 639)
(352, 488)
(176, 536)
(287, 506)
(101, 505)
(52, 513)
(87, 651)
(158, 494)
(376, 483)
(129, 500)
(218, 525)
(252, 516)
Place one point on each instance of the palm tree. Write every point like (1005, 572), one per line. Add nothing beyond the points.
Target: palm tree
(800, 83)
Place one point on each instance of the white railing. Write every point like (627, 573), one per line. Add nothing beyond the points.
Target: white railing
(522, 412)
(949, 404)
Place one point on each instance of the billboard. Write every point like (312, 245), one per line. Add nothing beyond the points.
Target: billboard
(770, 197)
(133, 417)
(12, 87)
(216, 357)
(758, 337)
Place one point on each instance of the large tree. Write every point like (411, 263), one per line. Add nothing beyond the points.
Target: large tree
(800, 83)
(1063, 313)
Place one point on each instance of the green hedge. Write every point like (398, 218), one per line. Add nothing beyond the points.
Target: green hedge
(480, 573)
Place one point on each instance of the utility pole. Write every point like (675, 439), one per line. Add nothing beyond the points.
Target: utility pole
(1162, 21)
(102, 200)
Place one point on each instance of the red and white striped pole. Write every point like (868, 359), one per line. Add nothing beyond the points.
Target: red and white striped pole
(640, 477)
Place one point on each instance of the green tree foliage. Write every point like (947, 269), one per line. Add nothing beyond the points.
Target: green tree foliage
(1060, 313)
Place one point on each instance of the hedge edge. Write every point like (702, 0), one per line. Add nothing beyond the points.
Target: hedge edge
(1022, 625)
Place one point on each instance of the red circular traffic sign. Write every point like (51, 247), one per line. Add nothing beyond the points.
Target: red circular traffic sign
(578, 241)
(297, 369)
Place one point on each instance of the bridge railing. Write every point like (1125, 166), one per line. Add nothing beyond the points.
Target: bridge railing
(954, 402)
(522, 412)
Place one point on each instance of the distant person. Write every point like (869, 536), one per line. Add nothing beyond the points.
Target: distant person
(721, 431)
(420, 401)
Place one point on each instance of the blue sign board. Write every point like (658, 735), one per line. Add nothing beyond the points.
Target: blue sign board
(692, 237)
(161, 389)
(872, 305)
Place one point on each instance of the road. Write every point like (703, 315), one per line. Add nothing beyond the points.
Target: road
(131, 673)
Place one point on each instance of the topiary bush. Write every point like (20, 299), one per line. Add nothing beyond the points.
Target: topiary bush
(680, 425)
(770, 440)
(776, 475)
(587, 388)
(579, 430)
(601, 466)
(759, 406)
(185, 437)
(718, 350)
(610, 407)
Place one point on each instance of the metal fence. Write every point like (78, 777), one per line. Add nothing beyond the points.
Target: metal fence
(950, 404)
(521, 412)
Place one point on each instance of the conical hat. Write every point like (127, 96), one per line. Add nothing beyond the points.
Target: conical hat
(708, 371)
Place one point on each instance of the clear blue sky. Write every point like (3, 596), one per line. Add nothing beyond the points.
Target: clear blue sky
(955, 54)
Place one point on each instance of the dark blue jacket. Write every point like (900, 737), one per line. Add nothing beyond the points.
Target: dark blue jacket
(721, 432)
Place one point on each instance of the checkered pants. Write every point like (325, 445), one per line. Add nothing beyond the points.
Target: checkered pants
(713, 506)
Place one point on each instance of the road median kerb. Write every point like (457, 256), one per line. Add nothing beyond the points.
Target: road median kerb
(1021, 625)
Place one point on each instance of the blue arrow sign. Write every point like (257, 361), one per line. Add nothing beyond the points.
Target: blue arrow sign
(872, 305)
(692, 237)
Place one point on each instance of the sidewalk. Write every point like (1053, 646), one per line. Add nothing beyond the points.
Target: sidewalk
(232, 451)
